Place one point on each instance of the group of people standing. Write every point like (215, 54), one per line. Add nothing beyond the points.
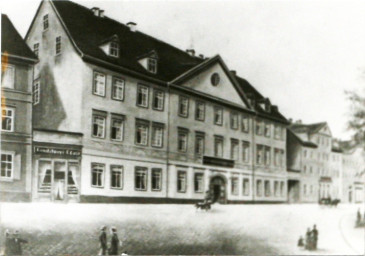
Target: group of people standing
(13, 243)
(114, 242)
(311, 239)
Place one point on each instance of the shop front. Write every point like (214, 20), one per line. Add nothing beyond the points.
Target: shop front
(56, 169)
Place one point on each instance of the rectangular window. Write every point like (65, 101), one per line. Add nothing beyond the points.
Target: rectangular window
(99, 84)
(181, 181)
(259, 154)
(157, 135)
(182, 143)
(116, 176)
(199, 144)
(267, 155)
(7, 119)
(36, 49)
(304, 189)
(7, 165)
(117, 128)
(246, 187)
(200, 111)
(58, 45)
(218, 146)
(158, 99)
(282, 192)
(245, 151)
(259, 187)
(278, 132)
(245, 124)
(183, 106)
(234, 121)
(118, 89)
(156, 179)
(152, 65)
(259, 127)
(97, 175)
(234, 188)
(267, 188)
(142, 96)
(36, 92)
(234, 149)
(140, 178)
(267, 130)
(114, 49)
(8, 76)
(98, 126)
(45, 22)
(142, 133)
(218, 115)
(276, 188)
(198, 182)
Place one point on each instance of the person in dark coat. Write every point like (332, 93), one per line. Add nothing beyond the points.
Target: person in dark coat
(315, 236)
(300, 242)
(358, 218)
(103, 241)
(8, 243)
(17, 244)
(308, 242)
(114, 243)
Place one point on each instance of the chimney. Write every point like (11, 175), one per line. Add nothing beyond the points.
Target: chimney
(96, 11)
(234, 72)
(101, 13)
(132, 26)
(191, 52)
(201, 56)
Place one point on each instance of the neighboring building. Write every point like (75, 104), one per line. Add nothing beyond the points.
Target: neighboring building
(123, 117)
(353, 173)
(17, 62)
(316, 141)
(336, 171)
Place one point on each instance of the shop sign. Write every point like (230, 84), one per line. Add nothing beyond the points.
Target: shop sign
(57, 151)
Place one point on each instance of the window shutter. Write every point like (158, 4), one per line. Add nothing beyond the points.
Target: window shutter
(17, 166)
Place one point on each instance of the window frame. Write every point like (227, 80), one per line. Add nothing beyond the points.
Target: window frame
(45, 22)
(199, 136)
(178, 179)
(197, 190)
(197, 104)
(58, 49)
(154, 127)
(142, 123)
(245, 181)
(117, 118)
(36, 92)
(259, 188)
(152, 62)
(180, 133)
(218, 109)
(97, 115)
(235, 142)
(246, 146)
(234, 116)
(267, 188)
(36, 49)
(235, 186)
(158, 170)
(95, 73)
(218, 138)
(114, 79)
(267, 129)
(121, 176)
(12, 154)
(12, 118)
(181, 98)
(143, 170)
(102, 174)
(155, 95)
(245, 128)
(139, 89)
(114, 48)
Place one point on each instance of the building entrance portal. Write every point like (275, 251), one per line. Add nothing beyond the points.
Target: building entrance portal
(293, 191)
(217, 188)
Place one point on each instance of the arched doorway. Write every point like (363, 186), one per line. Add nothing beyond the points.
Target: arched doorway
(217, 189)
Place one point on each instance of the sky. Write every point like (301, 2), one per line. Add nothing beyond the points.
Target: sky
(301, 54)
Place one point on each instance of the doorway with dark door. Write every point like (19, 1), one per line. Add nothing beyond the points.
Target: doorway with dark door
(217, 188)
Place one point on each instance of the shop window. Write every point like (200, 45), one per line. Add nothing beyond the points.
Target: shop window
(234, 188)
(140, 178)
(116, 177)
(246, 187)
(97, 175)
(259, 187)
(198, 182)
(267, 188)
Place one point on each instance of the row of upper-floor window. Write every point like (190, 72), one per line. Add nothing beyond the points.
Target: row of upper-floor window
(323, 140)
(310, 154)
(308, 169)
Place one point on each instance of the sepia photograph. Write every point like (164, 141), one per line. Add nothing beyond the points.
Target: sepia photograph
(208, 127)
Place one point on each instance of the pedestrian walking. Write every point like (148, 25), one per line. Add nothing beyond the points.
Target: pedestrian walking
(103, 241)
(308, 241)
(358, 217)
(8, 243)
(16, 245)
(114, 243)
(300, 242)
(315, 236)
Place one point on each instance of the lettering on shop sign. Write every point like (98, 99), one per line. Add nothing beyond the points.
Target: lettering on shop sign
(57, 151)
(218, 161)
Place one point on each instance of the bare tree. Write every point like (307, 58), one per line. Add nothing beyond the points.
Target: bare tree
(356, 122)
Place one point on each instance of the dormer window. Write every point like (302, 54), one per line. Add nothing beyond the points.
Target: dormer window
(114, 49)
(152, 65)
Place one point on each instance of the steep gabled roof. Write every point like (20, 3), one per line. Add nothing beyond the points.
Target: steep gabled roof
(251, 92)
(300, 141)
(11, 41)
(87, 31)
(307, 128)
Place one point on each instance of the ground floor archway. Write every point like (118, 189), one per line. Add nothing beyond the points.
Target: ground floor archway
(217, 189)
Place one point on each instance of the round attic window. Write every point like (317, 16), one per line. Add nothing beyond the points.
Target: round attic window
(214, 79)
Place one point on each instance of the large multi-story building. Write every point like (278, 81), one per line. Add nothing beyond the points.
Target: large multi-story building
(310, 147)
(120, 116)
(17, 62)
